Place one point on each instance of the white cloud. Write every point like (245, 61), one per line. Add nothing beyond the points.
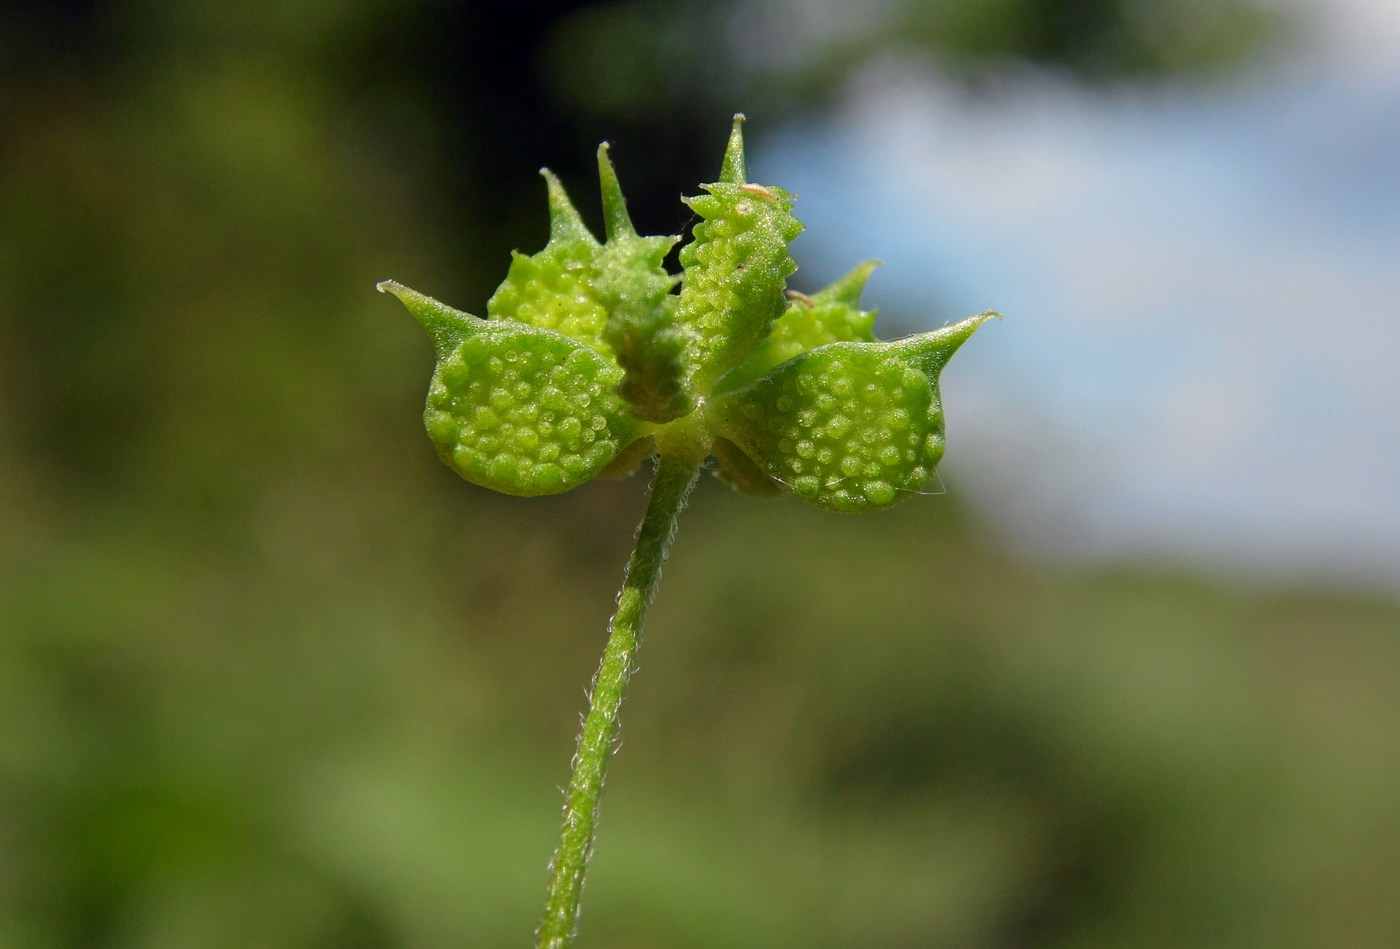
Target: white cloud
(1362, 34)
(1203, 301)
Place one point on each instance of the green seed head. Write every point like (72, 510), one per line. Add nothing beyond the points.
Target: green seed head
(736, 268)
(588, 359)
(846, 426)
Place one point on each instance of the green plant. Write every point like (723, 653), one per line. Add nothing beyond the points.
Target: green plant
(589, 361)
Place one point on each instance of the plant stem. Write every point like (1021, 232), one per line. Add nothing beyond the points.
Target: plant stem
(676, 472)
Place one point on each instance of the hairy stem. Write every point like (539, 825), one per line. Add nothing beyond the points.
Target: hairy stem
(675, 475)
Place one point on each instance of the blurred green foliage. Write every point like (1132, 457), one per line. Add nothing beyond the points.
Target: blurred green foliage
(270, 675)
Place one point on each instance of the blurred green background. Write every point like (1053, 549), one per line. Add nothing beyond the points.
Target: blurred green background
(270, 675)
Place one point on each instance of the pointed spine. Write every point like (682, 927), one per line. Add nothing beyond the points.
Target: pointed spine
(565, 224)
(616, 221)
(932, 351)
(848, 289)
(446, 327)
(732, 170)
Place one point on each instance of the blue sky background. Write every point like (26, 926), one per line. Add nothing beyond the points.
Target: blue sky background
(1201, 285)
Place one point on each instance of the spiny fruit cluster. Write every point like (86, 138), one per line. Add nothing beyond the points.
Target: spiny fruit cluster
(590, 357)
